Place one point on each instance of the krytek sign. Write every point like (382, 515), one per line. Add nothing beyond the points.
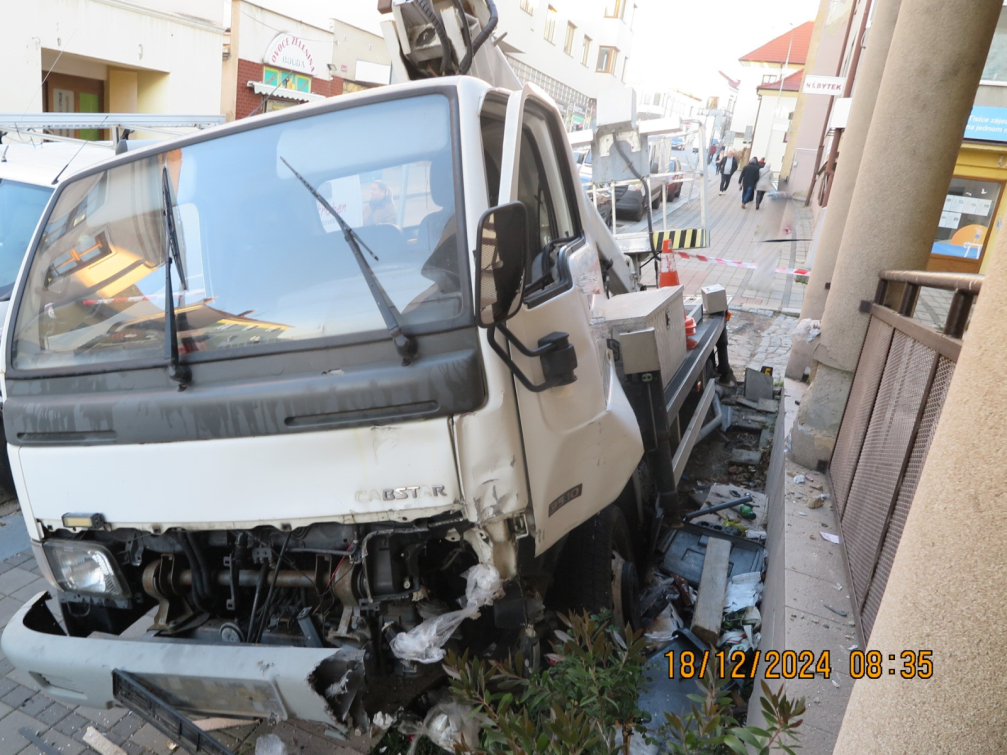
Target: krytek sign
(290, 52)
(830, 85)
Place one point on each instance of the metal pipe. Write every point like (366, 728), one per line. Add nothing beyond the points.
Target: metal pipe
(714, 424)
(250, 578)
(966, 282)
(958, 314)
(718, 507)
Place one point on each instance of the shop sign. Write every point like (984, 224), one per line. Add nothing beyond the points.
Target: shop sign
(290, 52)
(987, 124)
(830, 85)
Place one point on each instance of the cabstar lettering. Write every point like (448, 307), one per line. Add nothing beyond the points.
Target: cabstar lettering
(401, 494)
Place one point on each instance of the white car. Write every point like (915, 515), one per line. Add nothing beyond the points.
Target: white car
(28, 175)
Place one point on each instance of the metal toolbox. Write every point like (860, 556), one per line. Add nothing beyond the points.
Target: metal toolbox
(629, 316)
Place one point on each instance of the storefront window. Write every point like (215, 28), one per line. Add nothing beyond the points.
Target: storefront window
(286, 79)
(968, 212)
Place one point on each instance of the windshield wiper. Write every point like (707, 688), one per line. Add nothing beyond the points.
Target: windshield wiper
(180, 373)
(405, 345)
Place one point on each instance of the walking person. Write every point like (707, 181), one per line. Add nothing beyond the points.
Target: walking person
(728, 169)
(748, 180)
(713, 151)
(765, 183)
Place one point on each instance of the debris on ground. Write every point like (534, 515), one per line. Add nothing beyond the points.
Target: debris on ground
(270, 744)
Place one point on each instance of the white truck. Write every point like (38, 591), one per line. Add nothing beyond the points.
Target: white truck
(282, 395)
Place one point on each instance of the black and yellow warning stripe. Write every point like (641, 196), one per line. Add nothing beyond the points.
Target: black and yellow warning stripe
(684, 238)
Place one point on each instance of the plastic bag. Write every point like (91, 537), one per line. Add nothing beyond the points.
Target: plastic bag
(808, 329)
(743, 591)
(270, 744)
(425, 642)
(663, 628)
(445, 725)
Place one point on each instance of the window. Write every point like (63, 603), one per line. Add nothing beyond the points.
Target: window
(712, 102)
(527, 7)
(541, 187)
(969, 209)
(606, 59)
(587, 50)
(615, 9)
(550, 24)
(568, 44)
(996, 61)
(770, 78)
(280, 274)
(286, 79)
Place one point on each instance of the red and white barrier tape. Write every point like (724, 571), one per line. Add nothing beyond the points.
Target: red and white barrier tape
(731, 263)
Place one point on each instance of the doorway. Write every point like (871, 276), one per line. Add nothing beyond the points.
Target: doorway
(74, 94)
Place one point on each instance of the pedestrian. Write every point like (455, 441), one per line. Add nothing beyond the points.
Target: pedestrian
(713, 151)
(747, 180)
(728, 168)
(380, 208)
(765, 183)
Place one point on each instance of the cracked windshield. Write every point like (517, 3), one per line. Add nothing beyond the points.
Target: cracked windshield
(263, 262)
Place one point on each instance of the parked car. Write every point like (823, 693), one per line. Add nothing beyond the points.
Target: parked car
(673, 184)
(631, 199)
(678, 143)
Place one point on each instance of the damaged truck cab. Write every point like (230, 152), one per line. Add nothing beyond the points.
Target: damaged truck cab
(290, 401)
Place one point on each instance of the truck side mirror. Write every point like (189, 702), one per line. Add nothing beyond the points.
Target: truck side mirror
(502, 257)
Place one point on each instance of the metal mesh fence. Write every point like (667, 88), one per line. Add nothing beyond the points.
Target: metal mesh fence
(889, 434)
(921, 447)
(858, 410)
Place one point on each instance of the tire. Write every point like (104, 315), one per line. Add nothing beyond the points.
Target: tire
(597, 570)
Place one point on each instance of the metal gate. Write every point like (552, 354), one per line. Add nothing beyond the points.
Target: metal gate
(895, 402)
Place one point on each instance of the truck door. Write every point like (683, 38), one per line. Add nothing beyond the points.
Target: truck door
(581, 440)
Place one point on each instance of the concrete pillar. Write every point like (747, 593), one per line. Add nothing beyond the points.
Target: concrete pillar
(946, 589)
(934, 65)
(865, 94)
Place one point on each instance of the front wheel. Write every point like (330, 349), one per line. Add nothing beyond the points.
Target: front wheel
(597, 570)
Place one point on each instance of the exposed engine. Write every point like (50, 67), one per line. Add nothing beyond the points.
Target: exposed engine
(328, 585)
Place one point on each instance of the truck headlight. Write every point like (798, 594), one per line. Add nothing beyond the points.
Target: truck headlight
(85, 568)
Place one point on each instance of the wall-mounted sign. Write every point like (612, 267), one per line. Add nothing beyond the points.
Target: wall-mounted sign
(988, 124)
(830, 85)
(290, 52)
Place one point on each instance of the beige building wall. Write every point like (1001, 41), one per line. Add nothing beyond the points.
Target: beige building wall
(178, 38)
(813, 110)
(352, 47)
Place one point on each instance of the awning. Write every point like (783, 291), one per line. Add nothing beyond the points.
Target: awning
(288, 94)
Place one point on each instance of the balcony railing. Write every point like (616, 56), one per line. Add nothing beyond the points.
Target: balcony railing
(895, 403)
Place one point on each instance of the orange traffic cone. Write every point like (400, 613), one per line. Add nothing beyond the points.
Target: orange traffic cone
(669, 267)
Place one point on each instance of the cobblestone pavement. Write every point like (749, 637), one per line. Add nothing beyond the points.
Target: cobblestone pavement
(774, 350)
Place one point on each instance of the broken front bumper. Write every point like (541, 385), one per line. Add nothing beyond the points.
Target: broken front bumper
(257, 681)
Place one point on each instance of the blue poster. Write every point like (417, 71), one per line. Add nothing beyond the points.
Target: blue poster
(987, 124)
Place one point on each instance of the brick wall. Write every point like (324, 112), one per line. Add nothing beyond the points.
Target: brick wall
(247, 100)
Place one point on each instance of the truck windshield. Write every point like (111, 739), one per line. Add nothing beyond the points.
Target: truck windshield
(265, 263)
(21, 206)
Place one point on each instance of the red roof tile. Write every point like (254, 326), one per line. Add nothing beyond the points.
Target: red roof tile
(790, 84)
(776, 50)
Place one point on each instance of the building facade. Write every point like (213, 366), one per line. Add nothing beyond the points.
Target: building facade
(774, 121)
(666, 103)
(276, 60)
(763, 67)
(574, 50)
(971, 220)
(102, 56)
